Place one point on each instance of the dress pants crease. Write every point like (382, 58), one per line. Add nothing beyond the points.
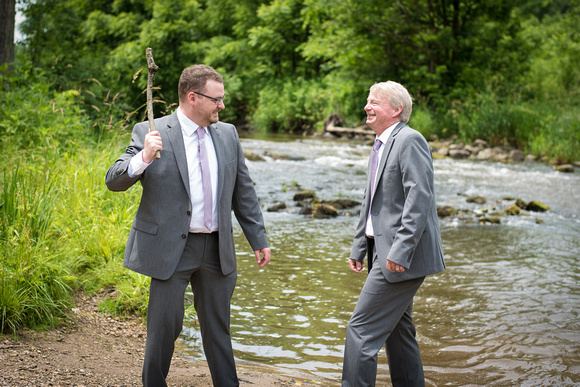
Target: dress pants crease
(383, 315)
(212, 292)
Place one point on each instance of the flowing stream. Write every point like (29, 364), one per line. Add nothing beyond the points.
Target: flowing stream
(505, 312)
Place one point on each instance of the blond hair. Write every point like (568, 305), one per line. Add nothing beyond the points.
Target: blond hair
(397, 95)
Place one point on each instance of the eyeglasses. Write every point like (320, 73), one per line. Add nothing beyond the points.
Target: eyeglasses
(216, 100)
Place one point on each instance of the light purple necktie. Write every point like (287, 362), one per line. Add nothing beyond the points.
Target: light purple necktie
(205, 179)
(374, 165)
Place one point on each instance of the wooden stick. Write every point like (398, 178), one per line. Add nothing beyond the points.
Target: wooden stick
(150, 79)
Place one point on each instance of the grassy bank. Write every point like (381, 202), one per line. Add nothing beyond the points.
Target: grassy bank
(62, 230)
(548, 130)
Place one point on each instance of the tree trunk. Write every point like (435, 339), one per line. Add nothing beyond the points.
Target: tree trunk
(7, 15)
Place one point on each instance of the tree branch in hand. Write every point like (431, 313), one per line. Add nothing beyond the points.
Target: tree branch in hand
(150, 79)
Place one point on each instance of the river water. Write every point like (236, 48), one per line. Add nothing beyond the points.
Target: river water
(505, 312)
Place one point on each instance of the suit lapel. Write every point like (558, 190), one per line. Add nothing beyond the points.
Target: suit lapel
(386, 153)
(218, 144)
(176, 139)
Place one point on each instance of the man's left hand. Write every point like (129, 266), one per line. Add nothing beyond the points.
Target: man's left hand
(394, 267)
(262, 261)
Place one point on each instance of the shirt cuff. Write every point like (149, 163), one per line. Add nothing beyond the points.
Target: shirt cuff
(137, 165)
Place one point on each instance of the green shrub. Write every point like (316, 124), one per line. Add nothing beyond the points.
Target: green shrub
(293, 105)
(497, 120)
(422, 121)
(34, 116)
(559, 137)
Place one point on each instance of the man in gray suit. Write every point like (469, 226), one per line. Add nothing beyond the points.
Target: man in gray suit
(399, 230)
(182, 232)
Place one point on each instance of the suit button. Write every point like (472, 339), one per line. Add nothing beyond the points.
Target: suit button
(188, 213)
(183, 236)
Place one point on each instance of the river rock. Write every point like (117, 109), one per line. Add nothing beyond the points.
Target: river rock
(517, 155)
(564, 168)
(490, 219)
(280, 156)
(459, 153)
(342, 204)
(277, 207)
(443, 151)
(476, 199)
(472, 150)
(486, 154)
(501, 156)
(521, 203)
(253, 156)
(458, 146)
(324, 210)
(537, 206)
(445, 211)
(494, 154)
(479, 144)
(304, 195)
(306, 210)
(513, 210)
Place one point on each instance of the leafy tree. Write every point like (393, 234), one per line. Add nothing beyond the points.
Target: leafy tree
(433, 47)
(289, 64)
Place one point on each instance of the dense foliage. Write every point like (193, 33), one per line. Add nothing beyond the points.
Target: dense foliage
(506, 71)
(289, 64)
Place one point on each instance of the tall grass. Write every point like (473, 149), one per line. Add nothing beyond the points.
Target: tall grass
(559, 137)
(35, 285)
(95, 223)
(62, 231)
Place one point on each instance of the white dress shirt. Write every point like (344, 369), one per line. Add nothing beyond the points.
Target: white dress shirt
(383, 138)
(188, 128)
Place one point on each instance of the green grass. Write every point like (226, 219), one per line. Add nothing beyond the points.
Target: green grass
(35, 285)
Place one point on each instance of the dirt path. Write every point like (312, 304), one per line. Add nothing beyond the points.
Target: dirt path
(94, 349)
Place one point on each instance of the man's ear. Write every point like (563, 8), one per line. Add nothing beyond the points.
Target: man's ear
(191, 98)
(397, 111)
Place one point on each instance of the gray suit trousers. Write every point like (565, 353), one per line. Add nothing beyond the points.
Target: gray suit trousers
(383, 315)
(200, 266)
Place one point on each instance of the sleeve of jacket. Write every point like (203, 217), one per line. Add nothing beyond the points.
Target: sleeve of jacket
(246, 205)
(359, 244)
(117, 177)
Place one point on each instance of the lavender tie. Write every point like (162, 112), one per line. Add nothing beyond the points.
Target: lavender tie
(374, 165)
(205, 179)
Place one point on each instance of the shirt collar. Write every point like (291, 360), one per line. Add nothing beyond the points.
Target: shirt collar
(187, 126)
(384, 137)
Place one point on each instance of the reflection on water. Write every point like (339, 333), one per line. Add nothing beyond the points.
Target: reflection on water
(505, 312)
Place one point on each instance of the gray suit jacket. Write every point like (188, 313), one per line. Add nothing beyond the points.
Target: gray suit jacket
(403, 210)
(161, 225)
